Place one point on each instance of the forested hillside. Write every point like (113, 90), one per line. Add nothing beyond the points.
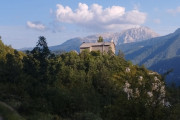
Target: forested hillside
(39, 85)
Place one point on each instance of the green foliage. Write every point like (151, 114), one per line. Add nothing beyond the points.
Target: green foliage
(95, 53)
(85, 86)
(121, 54)
(100, 39)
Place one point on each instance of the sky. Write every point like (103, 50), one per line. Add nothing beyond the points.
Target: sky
(23, 21)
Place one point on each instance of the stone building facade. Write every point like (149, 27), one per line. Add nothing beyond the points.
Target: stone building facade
(99, 46)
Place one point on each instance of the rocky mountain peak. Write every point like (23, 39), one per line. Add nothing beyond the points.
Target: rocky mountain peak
(136, 34)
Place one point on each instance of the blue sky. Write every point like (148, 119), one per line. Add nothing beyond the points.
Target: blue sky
(22, 21)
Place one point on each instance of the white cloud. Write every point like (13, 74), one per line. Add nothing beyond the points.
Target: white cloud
(52, 26)
(36, 25)
(95, 17)
(174, 11)
(157, 21)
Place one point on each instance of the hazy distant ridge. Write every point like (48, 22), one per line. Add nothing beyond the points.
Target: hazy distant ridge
(126, 36)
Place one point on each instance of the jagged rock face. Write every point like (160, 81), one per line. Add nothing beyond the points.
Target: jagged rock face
(135, 35)
(126, 36)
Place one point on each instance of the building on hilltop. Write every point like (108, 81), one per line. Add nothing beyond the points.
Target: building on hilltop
(98, 46)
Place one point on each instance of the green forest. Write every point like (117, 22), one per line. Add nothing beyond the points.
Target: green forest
(41, 85)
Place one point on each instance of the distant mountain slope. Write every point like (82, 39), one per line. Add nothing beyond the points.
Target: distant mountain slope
(159, 54)
(168, 65)
(126, 36)
(155, 49)
(72, 44)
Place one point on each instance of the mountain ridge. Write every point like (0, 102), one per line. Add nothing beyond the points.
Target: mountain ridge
(159, 54)
(126, 36)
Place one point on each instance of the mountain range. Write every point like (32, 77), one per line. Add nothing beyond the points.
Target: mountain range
(126, 36)
(160, 54)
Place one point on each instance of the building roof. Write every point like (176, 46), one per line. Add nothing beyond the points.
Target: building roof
(87, 45)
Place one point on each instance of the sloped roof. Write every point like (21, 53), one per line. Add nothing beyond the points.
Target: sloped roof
(87, 45)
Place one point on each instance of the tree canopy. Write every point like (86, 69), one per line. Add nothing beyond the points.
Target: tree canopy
(100, 39)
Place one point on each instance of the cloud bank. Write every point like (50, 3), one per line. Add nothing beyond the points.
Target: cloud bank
(36, 25)
(95, 17)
